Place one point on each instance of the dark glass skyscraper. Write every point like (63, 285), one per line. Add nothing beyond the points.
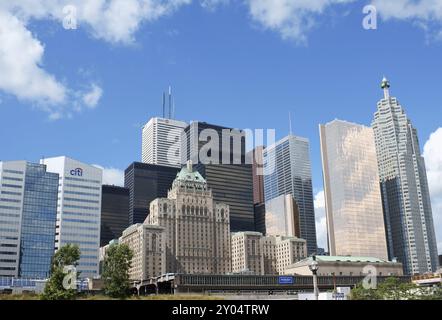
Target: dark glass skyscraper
(146, 182)
(38, 222)
(28, 213)
(114, 213)
(227, 173)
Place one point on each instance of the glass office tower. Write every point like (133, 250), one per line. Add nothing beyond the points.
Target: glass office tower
(227, 173)
(114, 213)
(282, 217)
(28, 211)
(406, 199)
(287, 170)
(355, 220)
(146, 182)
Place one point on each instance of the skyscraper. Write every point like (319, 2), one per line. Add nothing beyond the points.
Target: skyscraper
(404, 187)
(79, 210)
(146, 182)
(287, 170)
(114, 213)
(162, 142)
(224, 168)
(28, 212)
(355, 221)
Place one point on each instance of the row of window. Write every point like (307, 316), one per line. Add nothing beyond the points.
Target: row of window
(83, 180)
(13, 171)
(14, 186)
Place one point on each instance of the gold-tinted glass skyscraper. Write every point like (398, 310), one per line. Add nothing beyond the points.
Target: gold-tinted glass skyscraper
(355, 222)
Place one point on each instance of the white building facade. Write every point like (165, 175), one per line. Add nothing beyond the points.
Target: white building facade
(355, 220)
(79, 210)
(162, 142)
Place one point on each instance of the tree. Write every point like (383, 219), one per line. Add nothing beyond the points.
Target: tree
(116, 270)
(394, 289)
(62, 283)
(360, 293)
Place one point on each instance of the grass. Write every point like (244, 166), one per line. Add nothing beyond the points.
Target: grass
(103, 297)
(19, 297)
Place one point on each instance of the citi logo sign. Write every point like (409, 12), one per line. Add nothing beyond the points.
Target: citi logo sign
(78, 172)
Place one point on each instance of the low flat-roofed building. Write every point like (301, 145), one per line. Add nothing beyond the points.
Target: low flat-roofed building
(260, 255)
(346, 266)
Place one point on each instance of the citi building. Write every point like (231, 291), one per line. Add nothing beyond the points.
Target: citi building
(78, 210)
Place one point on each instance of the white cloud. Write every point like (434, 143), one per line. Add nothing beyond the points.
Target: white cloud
(114, 21)
(211, 5)
(112, 176)
(321, 222)
(426, 14)
(92, 97)
(291, 18)
(20, 64)
(22, 54)
(433, 161)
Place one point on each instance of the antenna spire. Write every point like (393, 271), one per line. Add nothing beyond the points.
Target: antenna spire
(170, 102)
(164, 104)
(290, 123)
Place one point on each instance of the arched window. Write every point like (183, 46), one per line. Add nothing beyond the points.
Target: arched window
(165, 207)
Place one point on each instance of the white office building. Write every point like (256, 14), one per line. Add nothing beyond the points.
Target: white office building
(78, 210)
(162, 142)
(355, 219)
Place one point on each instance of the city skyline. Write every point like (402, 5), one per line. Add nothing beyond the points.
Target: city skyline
(270, 84)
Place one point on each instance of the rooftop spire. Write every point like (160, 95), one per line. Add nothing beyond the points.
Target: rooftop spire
(386, 86)
(189, 166)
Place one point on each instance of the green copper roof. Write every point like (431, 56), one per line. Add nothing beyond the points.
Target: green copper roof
(345, 259)
(187, 174)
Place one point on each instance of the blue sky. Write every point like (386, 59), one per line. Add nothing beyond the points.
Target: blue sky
(85, 93)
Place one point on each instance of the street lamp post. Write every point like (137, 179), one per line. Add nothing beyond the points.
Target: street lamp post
(314, 266)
